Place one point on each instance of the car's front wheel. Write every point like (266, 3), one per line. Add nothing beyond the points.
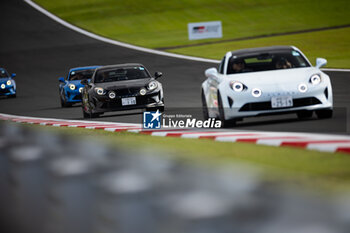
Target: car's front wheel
(87, 110)
(88, 115)
(204, 107)
(12, 96)
(64, 103)
(225, 123)
(154, 109)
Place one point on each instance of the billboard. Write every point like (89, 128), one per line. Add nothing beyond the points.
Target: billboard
(204, 30)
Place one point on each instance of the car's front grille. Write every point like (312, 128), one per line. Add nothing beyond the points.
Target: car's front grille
(140, 100)
(127, 92)
(4, 91)
(77, 97)
(262, 106)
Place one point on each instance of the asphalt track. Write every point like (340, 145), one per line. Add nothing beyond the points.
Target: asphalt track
(39, 50)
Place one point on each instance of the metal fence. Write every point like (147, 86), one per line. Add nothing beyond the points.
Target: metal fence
(53, 183)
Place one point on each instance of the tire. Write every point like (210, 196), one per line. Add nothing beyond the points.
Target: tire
(324, 114)
(86, 115)
(161, 109)
(90, 115)
(154, 109)
(64, 104)
(204, 107)
(225, 123)
(94, 115)
(12, 96)
(304, 114)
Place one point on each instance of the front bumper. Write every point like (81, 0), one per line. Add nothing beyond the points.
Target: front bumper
(8, 91)
(249, 106)
(105, 104)
(73, 96)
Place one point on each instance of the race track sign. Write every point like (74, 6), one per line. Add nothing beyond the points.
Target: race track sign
(204, 30)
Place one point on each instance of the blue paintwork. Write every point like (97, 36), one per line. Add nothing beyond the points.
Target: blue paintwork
(72, 96)
(7, 90)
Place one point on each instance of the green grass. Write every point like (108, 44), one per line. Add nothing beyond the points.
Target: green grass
(313, 168)
(328, 44)
(163, 23)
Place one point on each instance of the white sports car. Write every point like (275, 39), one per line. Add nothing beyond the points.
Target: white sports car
(264, 81)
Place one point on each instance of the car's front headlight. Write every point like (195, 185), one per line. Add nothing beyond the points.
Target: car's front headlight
(112, 95)
(237, 86)
(72, 87)
(256, 92)
(99, 90)
(302, 87)
(81, 90)
(3, 86)
(152, 85)
(143, 91)
(8, 83)
(315, 79)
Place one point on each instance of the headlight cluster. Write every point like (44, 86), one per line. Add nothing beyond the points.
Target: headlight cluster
(315, 79)
(152, 85)
(99, 90)
(237, 86)
(143, 91)
(81, 90)
(256, 92)
(302, 87)
(112, 95)
(72, 87)
(8, 83)
(3, 86)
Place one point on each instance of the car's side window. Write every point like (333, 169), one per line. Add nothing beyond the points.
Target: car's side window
(221, 66)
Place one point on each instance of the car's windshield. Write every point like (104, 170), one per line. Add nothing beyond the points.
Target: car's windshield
(81, 74)
(3, 73)
(276, 60)
(121, 74)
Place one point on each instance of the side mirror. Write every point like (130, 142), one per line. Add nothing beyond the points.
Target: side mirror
(13, 75)
(320, 62)
(61, 79)
(84, 82)
(210, 72)
(158, 74)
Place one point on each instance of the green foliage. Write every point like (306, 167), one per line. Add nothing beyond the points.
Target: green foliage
(156, 23)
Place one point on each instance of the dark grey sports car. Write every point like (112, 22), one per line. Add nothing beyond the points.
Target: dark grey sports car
(121, 87)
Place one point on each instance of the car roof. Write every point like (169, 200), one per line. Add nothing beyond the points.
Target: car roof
(83, 68)
(119, 66)
(261, 50)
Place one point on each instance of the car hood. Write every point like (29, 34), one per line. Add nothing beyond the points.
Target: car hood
(124, 84)
(275, 77)
(2, 80)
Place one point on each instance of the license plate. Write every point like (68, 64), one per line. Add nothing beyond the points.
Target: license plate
(129, 101)
(281, 102)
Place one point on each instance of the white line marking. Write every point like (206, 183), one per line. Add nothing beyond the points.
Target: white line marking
(264, 138)
(338, 70)
(114, 42)
(129, 46)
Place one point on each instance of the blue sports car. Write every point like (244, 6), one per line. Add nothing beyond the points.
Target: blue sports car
(70, 88)
(7, 84)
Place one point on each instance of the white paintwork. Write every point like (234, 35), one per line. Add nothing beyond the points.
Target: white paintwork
(283, 82)
(320, 62)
